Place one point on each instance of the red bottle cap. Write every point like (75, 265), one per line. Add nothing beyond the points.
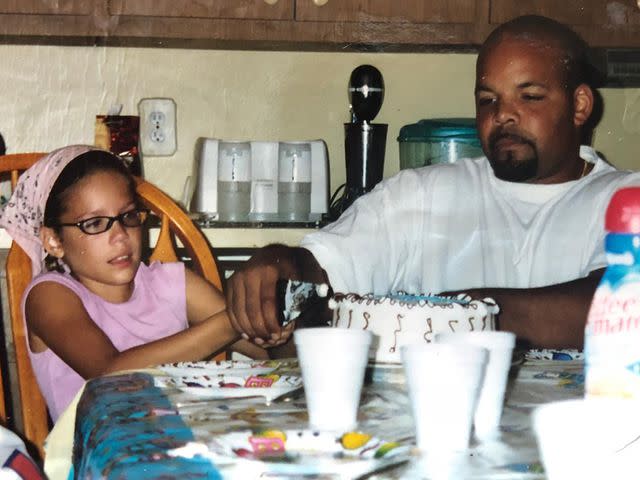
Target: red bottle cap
(623, 213)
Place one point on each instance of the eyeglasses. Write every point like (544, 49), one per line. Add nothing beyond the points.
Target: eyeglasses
(95, 225)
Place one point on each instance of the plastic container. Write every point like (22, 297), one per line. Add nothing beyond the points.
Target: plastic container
(438, 140)
(612, 333)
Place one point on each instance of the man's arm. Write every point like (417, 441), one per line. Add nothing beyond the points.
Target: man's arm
(251, 292)
(546, 317)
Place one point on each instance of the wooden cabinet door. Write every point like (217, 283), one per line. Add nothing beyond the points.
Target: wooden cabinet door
(602, 23)
(571, 12)
(82, 20)
(219, 9)
(381, 11)
(47, 7)
(412, 23)
(206, 23)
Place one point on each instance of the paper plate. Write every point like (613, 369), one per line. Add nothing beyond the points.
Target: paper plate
(241, 367)
(232, 385)
(302, 452)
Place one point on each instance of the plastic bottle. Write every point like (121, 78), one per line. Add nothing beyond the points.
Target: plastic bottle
(612, 334)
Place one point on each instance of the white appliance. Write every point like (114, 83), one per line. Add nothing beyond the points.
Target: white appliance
(296, 169)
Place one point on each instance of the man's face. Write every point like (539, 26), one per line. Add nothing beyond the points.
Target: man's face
(524, 113)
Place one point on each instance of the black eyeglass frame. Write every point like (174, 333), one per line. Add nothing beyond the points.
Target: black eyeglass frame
(141, 215)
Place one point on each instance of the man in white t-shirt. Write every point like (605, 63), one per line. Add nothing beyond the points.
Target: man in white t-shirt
(523, 225)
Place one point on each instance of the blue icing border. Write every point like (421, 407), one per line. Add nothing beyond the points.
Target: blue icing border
(124, 426)
(434, 299)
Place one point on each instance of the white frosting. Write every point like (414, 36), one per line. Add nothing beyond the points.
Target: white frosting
(401, 319)
(322, 290)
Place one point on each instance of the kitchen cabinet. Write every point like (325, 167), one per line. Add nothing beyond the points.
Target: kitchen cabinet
(375, 25)
(206, 22)
(374, 11)
(28, 19)
(61, 7)
(603, 23)
(217, 9)
(410, 22)
(302, 24)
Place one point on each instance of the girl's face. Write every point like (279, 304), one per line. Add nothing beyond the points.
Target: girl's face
(105, 263)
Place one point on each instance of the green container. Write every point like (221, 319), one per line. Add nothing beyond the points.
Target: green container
(438, 140)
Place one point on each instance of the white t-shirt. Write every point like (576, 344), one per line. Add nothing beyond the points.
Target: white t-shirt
(457, 226)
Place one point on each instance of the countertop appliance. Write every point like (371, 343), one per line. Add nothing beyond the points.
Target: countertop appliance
(289, 181)
(438, 140)
(364, 142)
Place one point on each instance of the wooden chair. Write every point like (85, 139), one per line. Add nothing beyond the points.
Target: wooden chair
(174, 221)
(33, 409)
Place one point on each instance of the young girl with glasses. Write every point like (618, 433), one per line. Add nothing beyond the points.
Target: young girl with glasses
(93, 306)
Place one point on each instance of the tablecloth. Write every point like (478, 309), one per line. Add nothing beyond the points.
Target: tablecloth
(136, 421)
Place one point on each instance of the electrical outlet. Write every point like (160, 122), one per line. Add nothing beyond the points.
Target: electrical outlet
(157, 126)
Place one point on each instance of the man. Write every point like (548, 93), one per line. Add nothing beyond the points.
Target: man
(523, 225)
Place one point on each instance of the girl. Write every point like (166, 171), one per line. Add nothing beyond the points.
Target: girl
(99, 309)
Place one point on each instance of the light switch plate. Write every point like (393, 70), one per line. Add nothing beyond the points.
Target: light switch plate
(157, 126)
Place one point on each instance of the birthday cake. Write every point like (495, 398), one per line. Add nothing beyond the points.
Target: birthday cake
(399, 319)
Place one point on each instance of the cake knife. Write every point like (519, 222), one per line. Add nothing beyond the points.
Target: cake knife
(295, 297)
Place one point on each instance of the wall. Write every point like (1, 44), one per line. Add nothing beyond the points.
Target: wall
(52, 94)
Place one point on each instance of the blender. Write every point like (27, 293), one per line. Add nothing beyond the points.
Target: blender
(365, 142)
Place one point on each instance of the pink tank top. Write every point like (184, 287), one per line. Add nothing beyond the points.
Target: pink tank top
(157, 308)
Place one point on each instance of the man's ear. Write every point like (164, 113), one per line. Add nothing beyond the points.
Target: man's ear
(51, 242)
(582, 104)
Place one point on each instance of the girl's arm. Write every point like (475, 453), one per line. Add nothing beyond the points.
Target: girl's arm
(203, 301)
(65, 327)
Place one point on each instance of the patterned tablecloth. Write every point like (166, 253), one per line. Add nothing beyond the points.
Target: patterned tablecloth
(159, 425)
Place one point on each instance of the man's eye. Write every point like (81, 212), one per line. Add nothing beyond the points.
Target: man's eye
(532, 97)
(484, 101)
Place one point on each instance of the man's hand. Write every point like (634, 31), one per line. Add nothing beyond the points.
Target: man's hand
(251, 292)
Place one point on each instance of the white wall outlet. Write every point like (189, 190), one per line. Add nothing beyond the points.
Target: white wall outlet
(157, 126)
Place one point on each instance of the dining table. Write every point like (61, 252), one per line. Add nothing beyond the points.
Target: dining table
(245, 419)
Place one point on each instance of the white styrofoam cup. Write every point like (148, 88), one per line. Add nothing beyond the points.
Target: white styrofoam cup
(589, 439)
(444, 385)
(500, 346)
(333, 363)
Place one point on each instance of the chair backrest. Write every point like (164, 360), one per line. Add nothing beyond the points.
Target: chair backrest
(174, 222)
(33, 409)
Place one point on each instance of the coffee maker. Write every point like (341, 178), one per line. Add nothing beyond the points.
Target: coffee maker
(365, 142)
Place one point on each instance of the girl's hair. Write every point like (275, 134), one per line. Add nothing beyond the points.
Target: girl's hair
(82, 166)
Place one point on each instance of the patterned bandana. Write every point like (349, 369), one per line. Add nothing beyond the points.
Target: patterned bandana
(23, 215)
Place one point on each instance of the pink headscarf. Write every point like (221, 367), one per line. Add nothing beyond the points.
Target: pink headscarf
(23, 215)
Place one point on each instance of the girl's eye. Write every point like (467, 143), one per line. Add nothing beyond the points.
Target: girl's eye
(132, 218)
(94, 224)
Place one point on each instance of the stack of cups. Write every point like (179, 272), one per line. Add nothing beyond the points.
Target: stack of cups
(500, 346)
(589, 439)
(444, 384)
(333, 363)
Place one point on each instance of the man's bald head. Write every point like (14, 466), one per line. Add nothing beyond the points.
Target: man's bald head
(569, 48)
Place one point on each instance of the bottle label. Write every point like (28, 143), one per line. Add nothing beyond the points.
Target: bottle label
(612, 340)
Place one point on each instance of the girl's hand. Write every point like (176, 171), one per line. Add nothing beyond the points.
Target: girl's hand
(275, 339)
